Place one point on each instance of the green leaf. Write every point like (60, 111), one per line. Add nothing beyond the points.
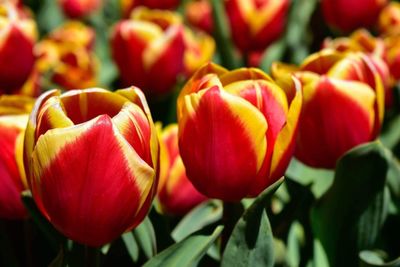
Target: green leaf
(186, 253)
(319, 179)
(49, 232)
(146, 238)
(390, 137)
(222, 35)
(374, 259)
(360, 177)
(201, 216)
(296, 239)
(274, 52)
(251, 242)
(131, 246)
(49, 16)
(58, 260)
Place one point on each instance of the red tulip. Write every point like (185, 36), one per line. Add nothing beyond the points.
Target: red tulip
(389, 19)
(199, 14)
(66, 56)
(343, 105)
(79, 8)
(176, 194)
(17, 37)
(255, 24)
(128, 5)
(92, 159)
(237, 130)
(13, 119)
(155, 43)
(348, 15)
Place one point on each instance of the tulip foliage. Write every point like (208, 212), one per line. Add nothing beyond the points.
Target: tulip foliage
(199, 133)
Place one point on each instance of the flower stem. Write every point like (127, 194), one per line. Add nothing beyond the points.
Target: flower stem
(230, 216)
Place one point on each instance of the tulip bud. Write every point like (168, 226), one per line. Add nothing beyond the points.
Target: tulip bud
(255, 24)
(128, 5)
(17, 37)
(92, 158)
(348, 15)
(79, 8)
(13, 119)
(176, 194)
(343, 105)
(155, 43)
(236, 130)
(199, 14)
(389, 19)
(66, 57)
(375, 49)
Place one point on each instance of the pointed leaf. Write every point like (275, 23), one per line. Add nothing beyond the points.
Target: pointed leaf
(201, 216)
(360, 177)
(186, 253)
(146, 238)
(251, 242)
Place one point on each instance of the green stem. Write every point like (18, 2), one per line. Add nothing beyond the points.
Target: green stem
(222, 35)
(230, 216)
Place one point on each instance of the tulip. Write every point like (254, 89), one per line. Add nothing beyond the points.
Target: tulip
(79, 8)
(17, 37)
(348, 15)
(176, 194)
(128, 5)
(199, 14)
(375, 49)
(92, 160)
(155, 43)
(255, 24)
(343, 105)
(13, 119)
(66, 57)
(237, 130)
(389, 19)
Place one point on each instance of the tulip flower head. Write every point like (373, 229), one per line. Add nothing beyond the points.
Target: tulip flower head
(176, 194)
(128, 5)
(199, 14)
(66, 56)
(155, 43)
(348, 15)
(79, 8)
(14, 112)
(255, 24)
(237, 130)
(389, 19)
(92, 159)
(376, 49)
(343, 105)
(17, 38)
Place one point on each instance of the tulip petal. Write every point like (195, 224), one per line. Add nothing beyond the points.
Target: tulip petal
(284, 146)
(323, 124)
(322, 61)
(206, 144)
(63, 170)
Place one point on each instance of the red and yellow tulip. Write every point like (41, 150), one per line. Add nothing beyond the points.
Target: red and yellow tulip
(199, 14)
(92, 161)
(67, 58)
(128, 5)
(343, 105)
(17, 37)
(348, 15)
(256, 23)
(14, 112)
(176, 194)
(155, 43)
(389, 19)
(237, 130)
(79, 8)
(375, 48)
